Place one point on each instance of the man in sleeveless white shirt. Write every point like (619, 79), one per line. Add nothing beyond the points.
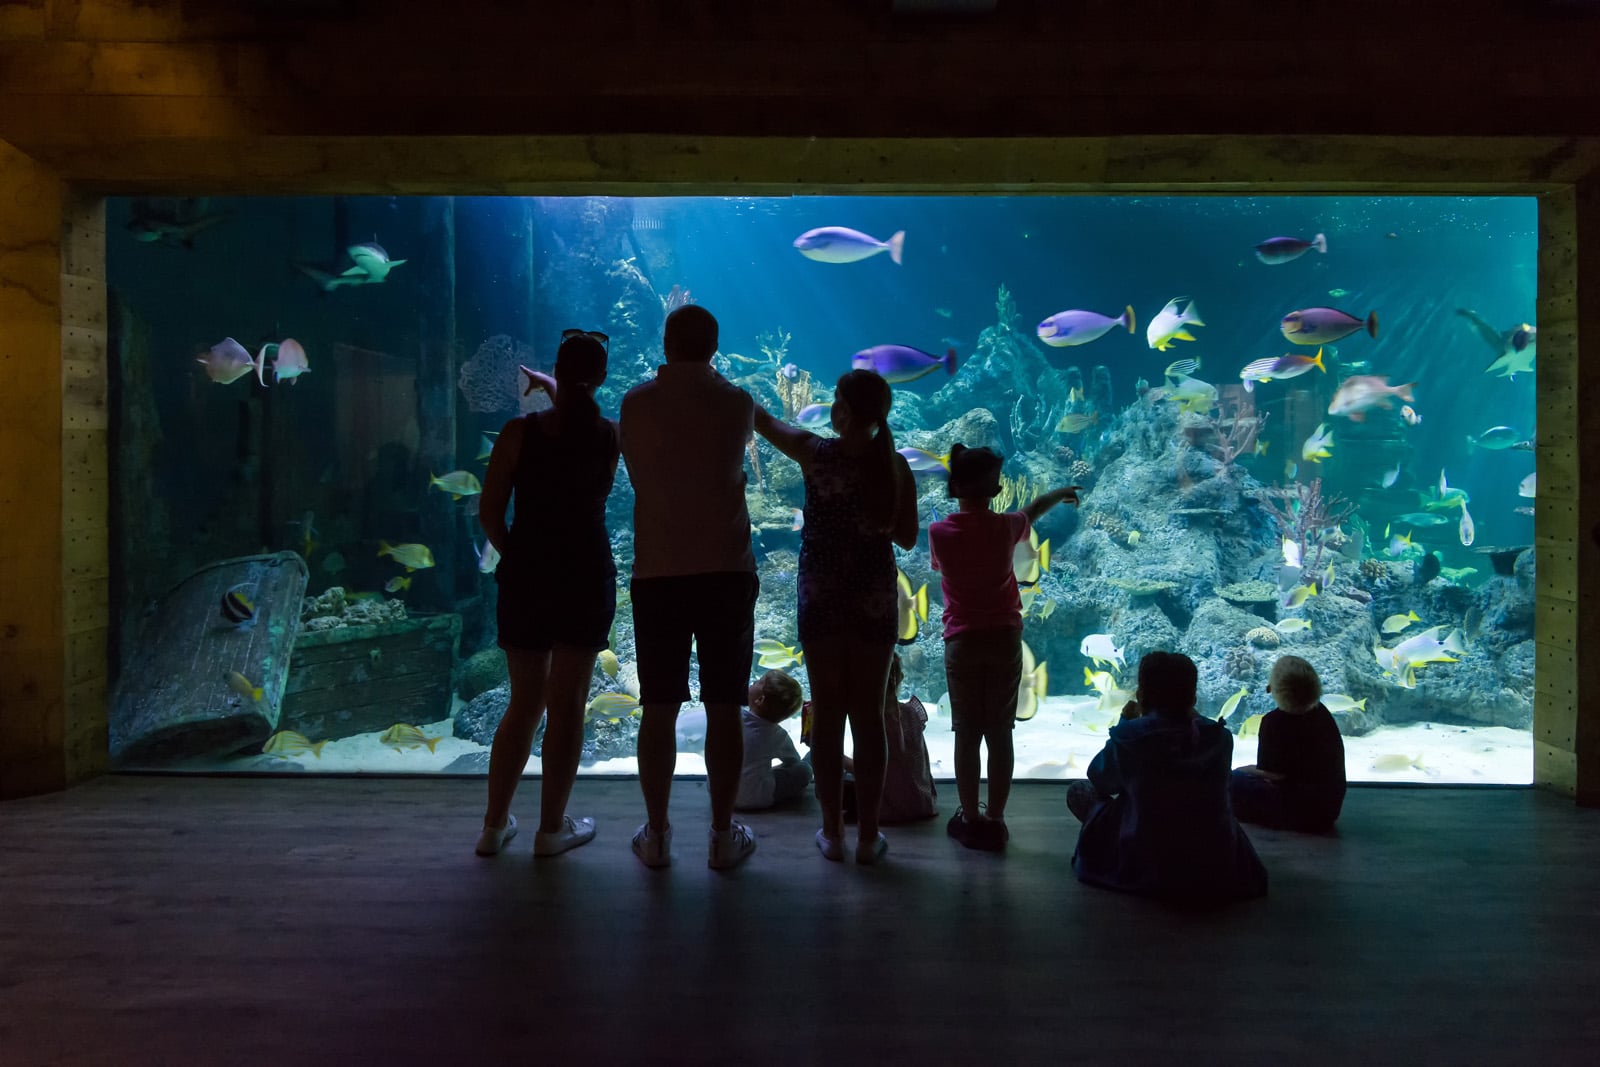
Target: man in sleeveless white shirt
(684, 436)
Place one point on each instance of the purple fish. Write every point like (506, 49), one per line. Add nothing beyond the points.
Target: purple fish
(226, 361)
(898, 364)
(840, 244)
(1321, 326)
(1275, 250)
(1080, 327)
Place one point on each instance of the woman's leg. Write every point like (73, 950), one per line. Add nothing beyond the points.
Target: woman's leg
(866, 678)
(829, 697)
(513, 740)
(568, 688)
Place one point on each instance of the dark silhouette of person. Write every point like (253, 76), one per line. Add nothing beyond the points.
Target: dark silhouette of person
(684, 435)
(1155, 810)
(557, 584)
(861, 500)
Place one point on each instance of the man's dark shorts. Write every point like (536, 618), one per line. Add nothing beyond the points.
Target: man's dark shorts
(716, 612)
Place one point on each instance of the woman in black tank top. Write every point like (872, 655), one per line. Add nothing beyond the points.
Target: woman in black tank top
(558, 589)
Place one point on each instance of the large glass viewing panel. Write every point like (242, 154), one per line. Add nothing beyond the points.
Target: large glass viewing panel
(1303, 425)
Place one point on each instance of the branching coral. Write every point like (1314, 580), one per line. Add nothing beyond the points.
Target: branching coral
(1005, 308)
(774, 345)
(1307, 517)
(755, 462)
(1233, 431)
(675, 299)
(1018, 492)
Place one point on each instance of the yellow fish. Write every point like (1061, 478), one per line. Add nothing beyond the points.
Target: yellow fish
(1170, 324)
(1030, 559)
(242, 685)
(774, 655)
(396, 584)
(1299, 595)
(912, 607)
(1395, 623)
(457, 483)
(1261, 447)
(485, 445)
(1035, 682)
(613, 706)
(1251, 727)
(1289, 626)
(410, 556)
(286, 743)
(1077, 422)
(1133, 538)
(1340, 702)
(608, 663)
(1397, 763)
(1232, 702)
(402, 737)
(1048, 608)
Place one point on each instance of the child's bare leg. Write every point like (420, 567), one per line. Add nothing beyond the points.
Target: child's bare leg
(969, 769)
(1002, 762)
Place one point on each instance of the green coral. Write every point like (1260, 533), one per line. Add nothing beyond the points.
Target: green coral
(1255, 591)
(1142, 586)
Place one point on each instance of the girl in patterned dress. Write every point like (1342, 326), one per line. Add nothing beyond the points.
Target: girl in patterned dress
(861, 500)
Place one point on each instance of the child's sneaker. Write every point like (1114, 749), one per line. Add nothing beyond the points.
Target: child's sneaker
(653, 849)
(830, 847)
(994, 835)
(573, 832)
(492, 840)
(730, 847)
(970, 832)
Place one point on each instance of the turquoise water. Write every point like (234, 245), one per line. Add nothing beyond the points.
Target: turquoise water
(413, 364)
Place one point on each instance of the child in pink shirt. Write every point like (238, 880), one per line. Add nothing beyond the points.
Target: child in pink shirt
(973, 552)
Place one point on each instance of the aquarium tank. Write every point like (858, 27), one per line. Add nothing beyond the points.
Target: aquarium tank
(1301, 424)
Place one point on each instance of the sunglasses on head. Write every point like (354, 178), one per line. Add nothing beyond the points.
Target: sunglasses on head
(567, 335)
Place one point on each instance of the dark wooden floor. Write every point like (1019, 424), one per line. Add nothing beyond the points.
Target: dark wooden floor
(167, 920)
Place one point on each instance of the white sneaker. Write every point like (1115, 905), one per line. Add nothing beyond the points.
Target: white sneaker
(491, 841)
(653, 849)
(730, 847)
(573, 832)
(831, 847)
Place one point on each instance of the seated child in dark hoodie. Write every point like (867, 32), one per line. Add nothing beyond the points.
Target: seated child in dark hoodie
(1155, 811)
(1297, 781)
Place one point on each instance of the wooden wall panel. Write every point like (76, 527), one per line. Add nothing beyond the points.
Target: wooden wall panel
(32, 676)
(1582, 302)
(85, 479)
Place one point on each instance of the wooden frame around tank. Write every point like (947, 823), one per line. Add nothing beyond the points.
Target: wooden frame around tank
(59, 709)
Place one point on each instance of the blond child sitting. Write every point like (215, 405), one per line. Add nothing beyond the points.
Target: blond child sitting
(773, 771)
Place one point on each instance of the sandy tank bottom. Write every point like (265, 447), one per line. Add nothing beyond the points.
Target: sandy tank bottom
(1058, 743)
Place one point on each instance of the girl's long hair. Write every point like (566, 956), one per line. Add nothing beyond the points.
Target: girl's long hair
(869, 399)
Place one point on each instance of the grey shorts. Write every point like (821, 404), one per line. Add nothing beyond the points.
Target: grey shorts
(983, 669)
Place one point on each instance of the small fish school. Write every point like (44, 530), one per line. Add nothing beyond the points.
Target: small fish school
(116, 97)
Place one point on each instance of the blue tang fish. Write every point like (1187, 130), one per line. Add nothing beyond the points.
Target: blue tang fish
(1080, 327)
(815, 416)
(840, 244)
(898, 364)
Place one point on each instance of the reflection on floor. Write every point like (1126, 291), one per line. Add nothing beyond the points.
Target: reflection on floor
(190, 920)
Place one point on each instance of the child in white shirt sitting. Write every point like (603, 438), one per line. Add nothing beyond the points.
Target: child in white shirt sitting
(763, 783)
